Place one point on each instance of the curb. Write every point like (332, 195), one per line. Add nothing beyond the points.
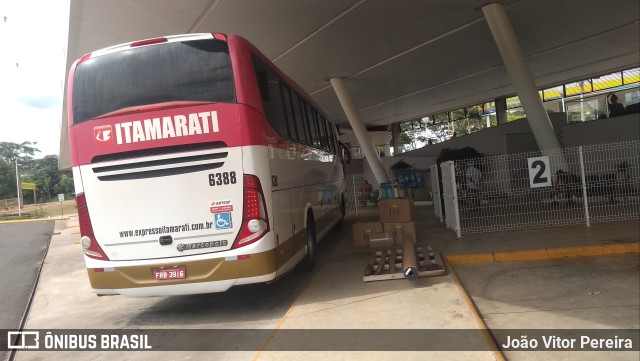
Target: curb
(489, 340)
(545, 253)
(35, 220)
(529, 255)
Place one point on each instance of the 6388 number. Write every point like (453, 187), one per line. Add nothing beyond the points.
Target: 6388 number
(218, 179)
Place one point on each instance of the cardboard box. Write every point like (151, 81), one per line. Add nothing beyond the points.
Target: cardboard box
(399, 210)
(380, 240)
(361, 232)
(401, 230)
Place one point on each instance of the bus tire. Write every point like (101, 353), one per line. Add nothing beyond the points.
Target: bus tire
(309, 259)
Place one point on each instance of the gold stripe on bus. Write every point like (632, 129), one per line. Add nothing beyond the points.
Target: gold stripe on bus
(216, 269)
(284, 251)
(299, 240)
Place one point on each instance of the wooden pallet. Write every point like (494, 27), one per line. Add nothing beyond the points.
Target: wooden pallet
(387, 264)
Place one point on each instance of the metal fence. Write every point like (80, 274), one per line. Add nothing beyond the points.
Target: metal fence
(582, 185)
(9, 204)
(356, 199)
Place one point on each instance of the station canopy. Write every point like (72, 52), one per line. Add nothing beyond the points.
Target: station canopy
(401, 59)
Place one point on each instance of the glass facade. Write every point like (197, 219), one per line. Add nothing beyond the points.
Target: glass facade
(583, 100)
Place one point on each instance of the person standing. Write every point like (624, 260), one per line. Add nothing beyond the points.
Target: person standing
(474, 182)
(365, 192)
(615, 108)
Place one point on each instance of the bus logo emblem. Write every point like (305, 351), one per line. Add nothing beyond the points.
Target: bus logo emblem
(223, 220)
(102, 134)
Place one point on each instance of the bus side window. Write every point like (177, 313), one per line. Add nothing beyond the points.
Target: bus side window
(271, 95)
(327, 126)
(300, 117)
(288, 112)
(274, 108)
(306, 119)
(332, 138)
(330, 142)
(313, 121)
(322, 130)
(263, 85)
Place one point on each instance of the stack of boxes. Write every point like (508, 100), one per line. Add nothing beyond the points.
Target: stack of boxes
(397, 222)
(362, 232)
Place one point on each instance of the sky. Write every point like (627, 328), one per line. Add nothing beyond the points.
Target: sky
(33, 44)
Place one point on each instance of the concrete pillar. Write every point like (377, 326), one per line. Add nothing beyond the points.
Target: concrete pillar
(522, 79)
(520, 74)
(369, 150)
(395, 138)
(501, 110)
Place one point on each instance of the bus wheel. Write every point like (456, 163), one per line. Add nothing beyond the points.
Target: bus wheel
(309, 259)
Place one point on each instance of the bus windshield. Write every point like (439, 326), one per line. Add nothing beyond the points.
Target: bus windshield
(191, 71)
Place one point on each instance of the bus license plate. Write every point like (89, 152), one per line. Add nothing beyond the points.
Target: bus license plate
(173, 273)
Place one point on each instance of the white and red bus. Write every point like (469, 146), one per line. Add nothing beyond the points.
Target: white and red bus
(198, 166)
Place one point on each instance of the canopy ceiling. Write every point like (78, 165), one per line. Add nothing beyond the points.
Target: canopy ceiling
(401, 59)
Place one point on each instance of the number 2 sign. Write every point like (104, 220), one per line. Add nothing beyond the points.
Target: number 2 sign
(539, 174)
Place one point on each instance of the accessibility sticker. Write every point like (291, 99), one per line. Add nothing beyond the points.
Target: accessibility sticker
(222, 220)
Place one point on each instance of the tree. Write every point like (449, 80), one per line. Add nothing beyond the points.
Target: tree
(43, 172)
(7, 180)
(9, 153)
(46, 174)
(406, 139)
(515, 114)
(66, 183)
(440, 131)
(23, 152)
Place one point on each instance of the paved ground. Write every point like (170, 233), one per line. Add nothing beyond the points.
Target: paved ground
(573, 293)
(334, 297)
(22, 247)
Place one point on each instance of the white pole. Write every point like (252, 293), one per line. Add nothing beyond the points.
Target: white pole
(370, 152)
(518, 70)
(456, 210)
(582, 118)
(18, 188)
(584, 188)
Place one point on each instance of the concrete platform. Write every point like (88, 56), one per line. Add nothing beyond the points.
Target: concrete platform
(575, 293)
(333, 297)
